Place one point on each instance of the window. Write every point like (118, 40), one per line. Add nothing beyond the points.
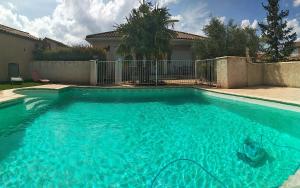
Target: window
(13, 70)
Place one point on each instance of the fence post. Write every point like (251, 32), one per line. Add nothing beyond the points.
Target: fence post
(93, 73)
(118, 72)
(195, 72)
(156, 72)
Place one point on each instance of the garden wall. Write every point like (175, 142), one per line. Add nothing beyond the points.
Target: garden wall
(69, 72)
(231, 72)
(282, 74)
(236, 72)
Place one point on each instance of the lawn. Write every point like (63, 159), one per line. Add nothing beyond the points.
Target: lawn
(4, 86)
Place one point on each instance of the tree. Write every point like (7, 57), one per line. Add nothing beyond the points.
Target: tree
(278, 38)
(146, 33)
(226, 40)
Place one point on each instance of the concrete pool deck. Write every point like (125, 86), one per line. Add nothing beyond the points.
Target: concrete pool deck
(277, 94)
(9, 95)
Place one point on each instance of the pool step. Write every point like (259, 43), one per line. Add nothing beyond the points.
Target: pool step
(36, 103)
(293, 181)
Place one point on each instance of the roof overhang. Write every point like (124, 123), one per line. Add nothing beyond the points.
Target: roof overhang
(32, 38)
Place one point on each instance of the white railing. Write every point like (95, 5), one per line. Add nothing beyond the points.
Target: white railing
(149, 72)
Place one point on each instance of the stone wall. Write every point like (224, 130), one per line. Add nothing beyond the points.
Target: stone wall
(69, 72)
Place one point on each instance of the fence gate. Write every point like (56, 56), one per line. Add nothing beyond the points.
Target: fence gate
(206, 72)
(152, 72)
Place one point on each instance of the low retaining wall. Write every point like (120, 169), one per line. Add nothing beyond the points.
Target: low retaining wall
(71, 72)
(255, 73)
(236, 72)
(282, 74)
(227, 74)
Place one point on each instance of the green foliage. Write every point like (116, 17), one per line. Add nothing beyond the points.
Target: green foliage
(146, 32)
(278, 39)
(226, 40)
(78, 53)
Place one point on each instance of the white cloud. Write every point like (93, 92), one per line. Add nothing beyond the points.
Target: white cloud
(164, 3)
(296, 3)
(254, 24)
(193, 18)
(71, 20)
(11, 6)
(296, 25)
(247, 23)
(222, 19)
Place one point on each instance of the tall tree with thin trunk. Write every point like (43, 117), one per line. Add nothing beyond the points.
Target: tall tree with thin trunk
(278, 39)
(146, 32)
(146, 35)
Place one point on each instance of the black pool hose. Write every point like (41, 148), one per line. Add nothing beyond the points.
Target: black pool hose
(188, 160)
(212, 175)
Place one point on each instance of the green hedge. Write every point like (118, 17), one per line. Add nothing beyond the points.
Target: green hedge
(70, 54)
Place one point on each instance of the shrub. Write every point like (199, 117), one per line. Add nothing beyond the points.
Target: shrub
(226, 40)
(70, 54)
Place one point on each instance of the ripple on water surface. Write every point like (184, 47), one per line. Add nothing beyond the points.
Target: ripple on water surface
(109, 139)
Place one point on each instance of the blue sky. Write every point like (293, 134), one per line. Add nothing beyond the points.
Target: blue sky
(237, 9)
(71, 20)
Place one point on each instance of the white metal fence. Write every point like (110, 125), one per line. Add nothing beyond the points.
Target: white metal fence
(151, 72)
(206, 72)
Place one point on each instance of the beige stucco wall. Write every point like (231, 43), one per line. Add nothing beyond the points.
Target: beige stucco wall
(72, 72)
(222, 73)
(282, 74)
(181, 50)
(54, 45)
(18, 50)
(231, 72)
(236, 72)
(255, 74)
(110, 45)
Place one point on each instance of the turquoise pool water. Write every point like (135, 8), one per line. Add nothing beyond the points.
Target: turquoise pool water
(123, 138)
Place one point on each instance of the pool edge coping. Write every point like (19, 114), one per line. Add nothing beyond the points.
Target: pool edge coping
(12, 95)
(268, 99)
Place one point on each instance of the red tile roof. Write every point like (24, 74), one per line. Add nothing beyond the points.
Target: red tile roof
(16, 32)
(116, 35)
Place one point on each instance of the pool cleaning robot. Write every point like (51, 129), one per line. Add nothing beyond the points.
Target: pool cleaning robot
(253, 153)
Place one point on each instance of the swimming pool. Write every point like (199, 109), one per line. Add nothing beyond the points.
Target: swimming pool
(172, 137)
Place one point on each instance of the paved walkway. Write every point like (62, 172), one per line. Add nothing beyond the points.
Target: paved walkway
(8, 95)
(280, 94)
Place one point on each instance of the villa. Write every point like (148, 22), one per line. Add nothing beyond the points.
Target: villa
(296, 53)
(12, 42)
(181, 45)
